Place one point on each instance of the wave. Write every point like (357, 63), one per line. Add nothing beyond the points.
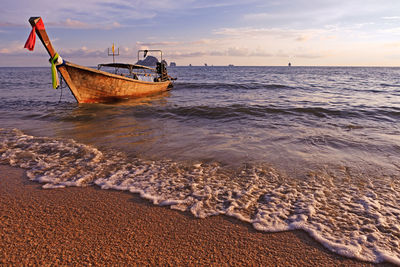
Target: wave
(389, 85)
(46, 110)
(351, 214)
(230, 86)
(254, 111)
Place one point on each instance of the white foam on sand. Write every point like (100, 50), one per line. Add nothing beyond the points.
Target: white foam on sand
(352, 215)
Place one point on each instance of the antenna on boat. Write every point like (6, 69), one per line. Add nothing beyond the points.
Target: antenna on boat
(113, 52)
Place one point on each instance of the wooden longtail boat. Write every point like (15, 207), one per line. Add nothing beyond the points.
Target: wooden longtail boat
(93, 86)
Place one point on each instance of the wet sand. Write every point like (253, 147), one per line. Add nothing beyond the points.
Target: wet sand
(106, 227)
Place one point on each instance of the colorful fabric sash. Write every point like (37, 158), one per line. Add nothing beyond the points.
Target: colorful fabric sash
(30, 43)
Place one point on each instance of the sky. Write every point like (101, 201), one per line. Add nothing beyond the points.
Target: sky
(243, 33)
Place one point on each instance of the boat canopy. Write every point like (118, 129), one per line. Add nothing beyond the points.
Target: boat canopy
(130, 67)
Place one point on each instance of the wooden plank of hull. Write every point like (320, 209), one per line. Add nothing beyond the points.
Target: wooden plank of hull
(91, 86)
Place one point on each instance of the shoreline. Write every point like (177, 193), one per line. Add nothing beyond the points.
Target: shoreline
(88, 225)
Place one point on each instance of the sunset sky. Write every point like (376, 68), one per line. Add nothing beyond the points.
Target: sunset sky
(252, 32)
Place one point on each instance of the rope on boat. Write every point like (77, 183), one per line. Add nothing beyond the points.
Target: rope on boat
(59, 100)
(61, 87)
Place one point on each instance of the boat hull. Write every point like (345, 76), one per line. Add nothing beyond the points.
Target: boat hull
(93, 86)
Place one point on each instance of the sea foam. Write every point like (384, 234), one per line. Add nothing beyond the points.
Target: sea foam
(352, 215)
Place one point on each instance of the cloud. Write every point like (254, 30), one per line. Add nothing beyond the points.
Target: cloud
(393, 45)
(355, 15)
(309, 55)
(230, 52)
(87, 53)
(237, 52)
(217, 4)
(303, 38)
(5, 51)
(190, 54)
(300, 54)
(75, 24)
(67, 23)
(83, 52)
(115, 25)
(392, 18)
(262, 16)
(8, 24)
(79, 14)
(202, 42)
(15, 48)
(250, 32)
(89, 13)
(106, 13)
(159, 44)
(392, 31)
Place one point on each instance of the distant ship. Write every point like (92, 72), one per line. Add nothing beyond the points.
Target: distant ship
(230, 65)
(190, 65)
(290, 64)
(205, 64)
(172, 64)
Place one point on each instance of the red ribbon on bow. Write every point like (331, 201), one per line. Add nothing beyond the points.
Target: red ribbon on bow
(30, 43)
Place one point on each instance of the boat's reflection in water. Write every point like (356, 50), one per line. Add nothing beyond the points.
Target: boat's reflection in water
(127, 125)
(156, 99)
(159, 98)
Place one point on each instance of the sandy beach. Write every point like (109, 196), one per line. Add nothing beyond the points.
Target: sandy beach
(82, 226)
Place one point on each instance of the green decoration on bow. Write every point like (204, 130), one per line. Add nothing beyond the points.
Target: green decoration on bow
(54, 76)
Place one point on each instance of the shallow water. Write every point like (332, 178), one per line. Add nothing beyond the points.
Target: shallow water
(283, 148)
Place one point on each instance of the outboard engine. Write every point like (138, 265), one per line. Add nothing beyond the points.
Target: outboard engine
(162, 70)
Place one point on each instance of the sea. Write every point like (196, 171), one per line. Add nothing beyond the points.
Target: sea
(280, 148)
